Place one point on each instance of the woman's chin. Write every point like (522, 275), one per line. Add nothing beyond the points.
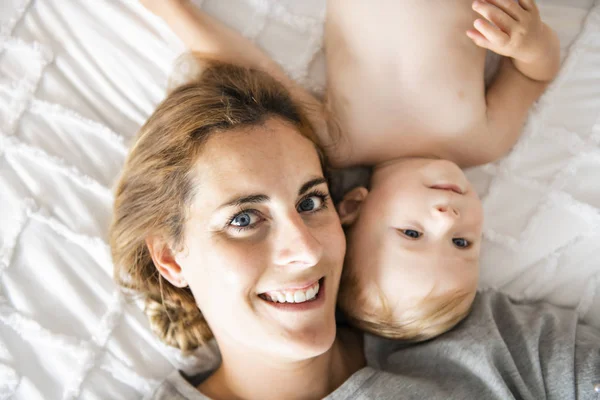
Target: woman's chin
(309, 342)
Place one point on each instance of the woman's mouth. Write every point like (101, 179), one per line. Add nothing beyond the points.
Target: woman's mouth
(292, 298)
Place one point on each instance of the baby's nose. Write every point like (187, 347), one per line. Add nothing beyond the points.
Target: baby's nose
(447, 210)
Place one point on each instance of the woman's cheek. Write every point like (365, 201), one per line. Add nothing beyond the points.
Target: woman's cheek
(237, 264)
(335, 238)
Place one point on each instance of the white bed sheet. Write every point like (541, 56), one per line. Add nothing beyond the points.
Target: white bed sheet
(77, 78)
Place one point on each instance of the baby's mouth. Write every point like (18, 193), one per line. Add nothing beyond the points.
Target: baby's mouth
(449, 187)
(294, 296)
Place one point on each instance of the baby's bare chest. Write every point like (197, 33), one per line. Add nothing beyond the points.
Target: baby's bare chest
(403, 70)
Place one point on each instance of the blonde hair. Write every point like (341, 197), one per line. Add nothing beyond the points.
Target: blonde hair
(370, 311)
(157, 184)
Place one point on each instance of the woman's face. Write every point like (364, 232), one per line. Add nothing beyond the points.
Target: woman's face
(263, 247)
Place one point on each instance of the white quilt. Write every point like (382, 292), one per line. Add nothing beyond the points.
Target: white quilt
(78, 77)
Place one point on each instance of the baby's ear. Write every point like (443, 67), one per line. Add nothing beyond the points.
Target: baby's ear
(164, 260)
(349, 207)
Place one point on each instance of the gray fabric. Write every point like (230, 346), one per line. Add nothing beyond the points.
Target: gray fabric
(502, 350)
(176, 387)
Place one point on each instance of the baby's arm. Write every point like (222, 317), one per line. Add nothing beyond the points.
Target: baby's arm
(515, 30)
(212, 40)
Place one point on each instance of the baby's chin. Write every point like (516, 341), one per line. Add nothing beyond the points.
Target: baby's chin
(432, 164)
(414, 173)
(440, 171)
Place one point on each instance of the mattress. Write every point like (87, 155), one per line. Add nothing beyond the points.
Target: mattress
(78, 78)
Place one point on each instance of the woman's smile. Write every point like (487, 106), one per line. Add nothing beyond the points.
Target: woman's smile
(308, 298)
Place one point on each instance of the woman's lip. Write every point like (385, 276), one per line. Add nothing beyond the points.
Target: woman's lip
(307, 305)
(294, 287)
(448, 186)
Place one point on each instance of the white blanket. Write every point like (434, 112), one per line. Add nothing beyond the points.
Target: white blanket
(78, 77)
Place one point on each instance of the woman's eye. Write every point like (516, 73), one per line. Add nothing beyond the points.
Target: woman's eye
(311, 203)
(411, 233)
(243, 219)
(461, 243)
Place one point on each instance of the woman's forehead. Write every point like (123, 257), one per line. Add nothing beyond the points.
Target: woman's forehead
(256, 158)
(271, 141)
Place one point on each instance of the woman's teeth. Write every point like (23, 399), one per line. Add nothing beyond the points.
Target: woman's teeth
(293, 296)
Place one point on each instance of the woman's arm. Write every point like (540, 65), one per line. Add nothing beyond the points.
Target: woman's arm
(206, 36)
(211, 39)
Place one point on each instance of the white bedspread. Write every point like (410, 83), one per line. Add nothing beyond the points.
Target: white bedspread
(78, 77)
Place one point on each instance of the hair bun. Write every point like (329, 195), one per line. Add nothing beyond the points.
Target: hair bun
(177, 321)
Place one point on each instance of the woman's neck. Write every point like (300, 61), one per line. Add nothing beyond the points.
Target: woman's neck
(244, 375)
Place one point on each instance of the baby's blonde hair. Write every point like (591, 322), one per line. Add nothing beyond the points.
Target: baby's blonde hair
(157, 184)
(368, 310)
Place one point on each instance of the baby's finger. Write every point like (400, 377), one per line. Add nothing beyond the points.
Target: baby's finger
(528, 4)
(495, 15)
(478, 38)
(492, 33)
(511, 7)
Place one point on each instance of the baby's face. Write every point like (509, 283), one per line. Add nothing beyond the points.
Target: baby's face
(417, 233)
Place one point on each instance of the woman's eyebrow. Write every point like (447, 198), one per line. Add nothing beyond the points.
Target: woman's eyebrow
(249, 199)
(261, 198)
(310, 184)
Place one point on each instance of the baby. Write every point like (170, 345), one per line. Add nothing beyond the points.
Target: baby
(406, 95)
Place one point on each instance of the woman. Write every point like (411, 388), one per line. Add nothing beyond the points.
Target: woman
(224, 196)
(223, 223)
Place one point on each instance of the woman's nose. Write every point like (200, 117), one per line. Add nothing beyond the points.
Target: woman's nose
(296, 245)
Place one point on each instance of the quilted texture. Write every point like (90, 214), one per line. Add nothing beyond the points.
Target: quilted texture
(77, 78)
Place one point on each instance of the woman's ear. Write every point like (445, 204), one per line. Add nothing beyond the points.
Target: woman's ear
(165, 262)
(349, 207)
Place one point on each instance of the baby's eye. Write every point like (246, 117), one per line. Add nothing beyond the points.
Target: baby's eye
(312, 203)
(411, 233)
(244, 219)
(461, 243)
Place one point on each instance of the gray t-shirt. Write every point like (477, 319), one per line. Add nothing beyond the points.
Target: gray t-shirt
(502, 350)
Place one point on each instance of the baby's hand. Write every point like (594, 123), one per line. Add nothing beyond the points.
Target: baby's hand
(512, 29)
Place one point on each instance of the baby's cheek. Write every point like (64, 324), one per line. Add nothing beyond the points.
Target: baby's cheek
(477, 208)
